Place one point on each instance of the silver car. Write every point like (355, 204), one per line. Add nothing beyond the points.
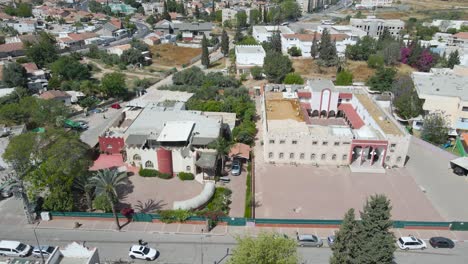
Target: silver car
(236, 168)
(46, 251)
(309, 241)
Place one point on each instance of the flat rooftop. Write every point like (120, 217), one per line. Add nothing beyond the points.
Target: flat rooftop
(266, 29)
(441, 83)
(387, 126)
(176, 131)
(250, 49)
(278, 108)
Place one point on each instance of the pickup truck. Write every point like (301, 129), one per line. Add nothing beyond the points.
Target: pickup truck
(459, 166)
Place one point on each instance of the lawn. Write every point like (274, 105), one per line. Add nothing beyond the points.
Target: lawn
(170, 55)
(308, 68)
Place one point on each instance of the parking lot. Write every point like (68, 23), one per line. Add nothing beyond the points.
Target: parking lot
(309, 192)
(98, 123)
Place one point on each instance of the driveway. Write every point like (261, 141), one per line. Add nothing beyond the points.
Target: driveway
(428, 165)
(98, 123)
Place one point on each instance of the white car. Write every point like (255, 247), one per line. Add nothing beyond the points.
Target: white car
(14, 249)
(411, 242)
(142, 252)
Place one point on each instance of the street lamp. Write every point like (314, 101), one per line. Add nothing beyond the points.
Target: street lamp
(201, 247)
(38, 245)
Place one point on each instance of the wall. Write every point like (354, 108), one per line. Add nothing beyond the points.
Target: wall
(94, 259)
(179, 163)
(111, 145)
(145, 154)
(165, 160)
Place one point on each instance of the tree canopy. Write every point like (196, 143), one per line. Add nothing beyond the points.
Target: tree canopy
(267, 248)
(293, 78)
(382, 80)
(276, 66)
(44, 51)
(67, 68)
(436, 126)
(14, 75)
(113, 84)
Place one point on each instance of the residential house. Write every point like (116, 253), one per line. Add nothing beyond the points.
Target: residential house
(194, 29)
(444, 25)
(121, 8)
(264, 33)
(153, 8)
(321, 124)
(37, 78)
(164, 26)
(22, 39)
(75, 41)
(152, 39)
(230, 14)
(375, 26)
(119, 50)
(24, 26)
(11, 50)
(111, 28)
(304, 42)
(353, 32)
(56, 95)
(248, 57)
(445, 90)
(460, 40)
(374, 3)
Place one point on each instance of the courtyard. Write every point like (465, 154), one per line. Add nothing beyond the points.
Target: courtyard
(325, 192)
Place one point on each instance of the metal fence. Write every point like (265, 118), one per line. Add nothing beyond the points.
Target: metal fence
(241, 221)
(460, 147)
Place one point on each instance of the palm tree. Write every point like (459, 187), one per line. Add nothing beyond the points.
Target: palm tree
(83, 184)
(222, 147)
(106, 183)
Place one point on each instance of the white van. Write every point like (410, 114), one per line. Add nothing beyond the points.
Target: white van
(14, 249)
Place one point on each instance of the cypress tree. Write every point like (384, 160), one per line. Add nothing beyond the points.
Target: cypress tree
(314, 48)
(276, 42)
(225, 43)
(166, 12)
(346, 243)
(260, 14)
(454, 59)
(238, 37)
(327, 50)
(265, 15)
(197, 12)
(376, 242)
(205, 57)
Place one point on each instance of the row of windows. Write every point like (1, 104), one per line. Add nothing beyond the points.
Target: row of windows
(302, 156)
(324, 143)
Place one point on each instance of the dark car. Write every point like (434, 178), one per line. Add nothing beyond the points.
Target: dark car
(441, 242)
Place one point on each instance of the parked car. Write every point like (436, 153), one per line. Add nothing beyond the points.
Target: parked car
(309, 241)
(411, 242)
(98, 110)
(6, 193)
(331, 240)
(116, 106)
(14, 249)
(224, 179)
(83, 124)
(46, 251)
(236, 168)
(441, 242)
(142, 252)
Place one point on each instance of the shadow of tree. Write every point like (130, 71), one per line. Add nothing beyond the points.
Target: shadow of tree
(122, 192)
(149, 206)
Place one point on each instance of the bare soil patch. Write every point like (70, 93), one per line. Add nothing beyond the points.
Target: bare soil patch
(170, 55)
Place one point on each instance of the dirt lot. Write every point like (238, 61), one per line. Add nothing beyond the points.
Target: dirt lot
(170, 55)
(309, 69)
(435, 4)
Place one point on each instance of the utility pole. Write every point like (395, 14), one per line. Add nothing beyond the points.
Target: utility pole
(38, 245)
(201, 247)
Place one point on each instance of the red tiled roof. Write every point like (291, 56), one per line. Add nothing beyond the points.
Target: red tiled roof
(9, 47)
(338, 37)
(302, 37)
(461, 35)
(345, 96)
(116, 22)
(240, 150)
(53, 94)
(82, 36)
(5, 16)
(351, 115)
(30, 67)
(304, 94)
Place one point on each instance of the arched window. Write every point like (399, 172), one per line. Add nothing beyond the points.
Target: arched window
(136, 157)
(149, 164)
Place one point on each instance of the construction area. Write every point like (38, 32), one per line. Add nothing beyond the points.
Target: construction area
(278, 108)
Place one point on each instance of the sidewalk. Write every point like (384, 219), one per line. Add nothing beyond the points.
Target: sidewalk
(223, 230)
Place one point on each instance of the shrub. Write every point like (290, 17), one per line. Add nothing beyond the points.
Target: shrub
(375, 61)
(256, 72)
(127, 212)
(148, 173)
(186, 176)
(102, 203)
(171, 216)
(344, 77)
(248, 194)
(295, 52)
(219, 202)
(293, 78)
(154, 173)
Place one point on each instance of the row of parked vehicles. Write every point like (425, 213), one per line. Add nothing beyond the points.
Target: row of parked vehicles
(404, 243)
(10, 248)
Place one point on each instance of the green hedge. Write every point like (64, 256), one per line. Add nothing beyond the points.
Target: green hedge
(248, 193)
(186, 176)
(171, 216)
(153, 173)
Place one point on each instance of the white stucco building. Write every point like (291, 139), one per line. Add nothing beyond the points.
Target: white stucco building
(445, 90)
(264, 33)
(248, 56)
(374, 27)
(374, 3)
(326, 125)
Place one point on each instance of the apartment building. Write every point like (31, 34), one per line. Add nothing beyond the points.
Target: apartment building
(322, 124)
(445, 90)
(375, 3)
(230, 14)
(374, 27)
